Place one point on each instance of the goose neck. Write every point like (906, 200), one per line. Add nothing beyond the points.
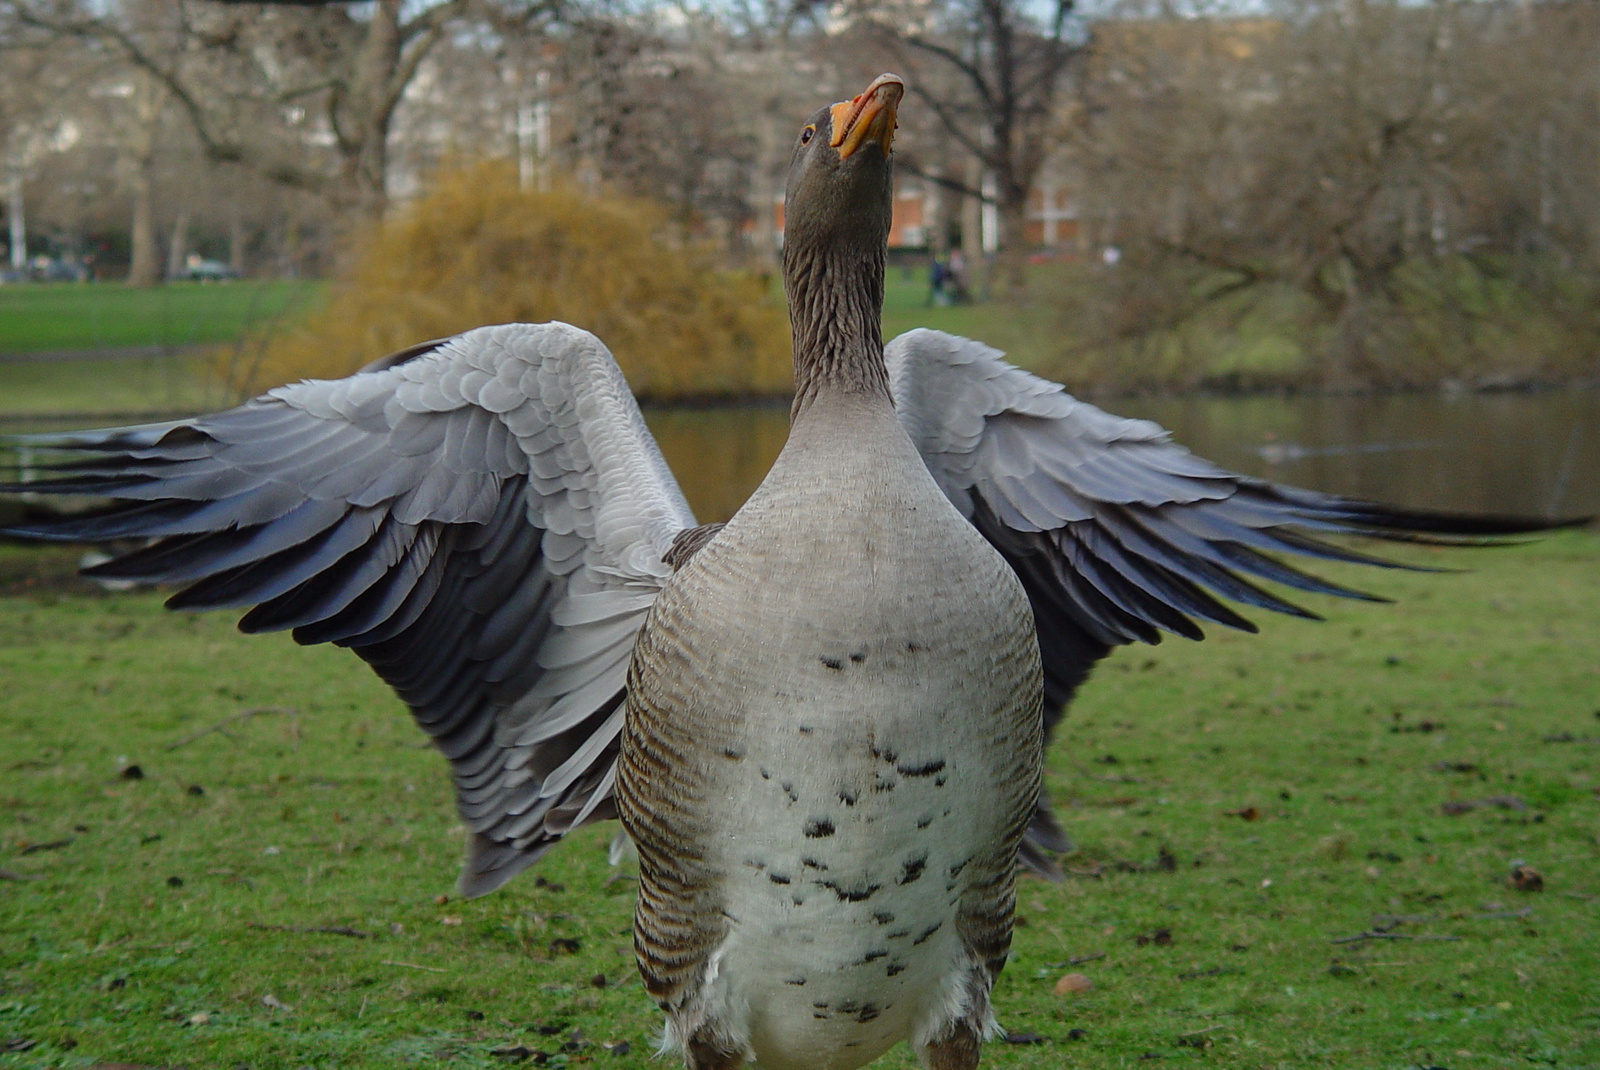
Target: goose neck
(836, 310)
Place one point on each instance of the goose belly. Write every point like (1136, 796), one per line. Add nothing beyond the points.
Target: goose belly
(842, 893)
(859, 777)
(831, 749)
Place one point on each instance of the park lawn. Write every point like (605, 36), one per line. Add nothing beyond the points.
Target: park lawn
(1254, 798)
(183, 383)
(1031, 333)
(106, 386)
(71, 316)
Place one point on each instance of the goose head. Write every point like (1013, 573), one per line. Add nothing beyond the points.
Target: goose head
(837, 209)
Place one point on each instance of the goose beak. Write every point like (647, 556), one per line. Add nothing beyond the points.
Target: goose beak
(869, 117)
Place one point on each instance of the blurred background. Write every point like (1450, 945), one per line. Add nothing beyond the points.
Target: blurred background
(1343, 243)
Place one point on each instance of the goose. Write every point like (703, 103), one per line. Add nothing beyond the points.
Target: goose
(822, 723)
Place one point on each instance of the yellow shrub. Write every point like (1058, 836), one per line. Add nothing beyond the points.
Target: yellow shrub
(477, 250)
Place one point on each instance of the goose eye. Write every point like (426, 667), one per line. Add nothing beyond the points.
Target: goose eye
(807, 134)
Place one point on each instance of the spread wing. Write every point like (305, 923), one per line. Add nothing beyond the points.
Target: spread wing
(483, 519)
(1118, 533)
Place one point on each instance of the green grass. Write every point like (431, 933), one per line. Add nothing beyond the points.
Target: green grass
(105, 316)
(1030, 333)
(151, 902)
(182, 383)
(179, 383)
(70, 316)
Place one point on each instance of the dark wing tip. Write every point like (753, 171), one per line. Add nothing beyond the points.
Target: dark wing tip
(1394, 522)
(491, 863)
(409, 353)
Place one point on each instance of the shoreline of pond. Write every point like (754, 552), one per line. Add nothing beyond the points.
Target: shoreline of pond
(715, 402)
(1099, 395)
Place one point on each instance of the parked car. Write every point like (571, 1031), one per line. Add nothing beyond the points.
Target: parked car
(48, 269)
(198, 269)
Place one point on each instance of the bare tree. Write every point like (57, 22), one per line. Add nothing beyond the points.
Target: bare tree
(304, 93)
(40, 87)
(1352, 162)
(993, 73)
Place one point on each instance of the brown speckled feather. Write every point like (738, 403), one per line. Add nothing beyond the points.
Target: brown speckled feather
(677, 921)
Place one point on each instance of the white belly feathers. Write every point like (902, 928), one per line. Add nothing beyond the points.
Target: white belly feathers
(866, 742)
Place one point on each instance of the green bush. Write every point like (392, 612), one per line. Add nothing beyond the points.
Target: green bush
(477, 250)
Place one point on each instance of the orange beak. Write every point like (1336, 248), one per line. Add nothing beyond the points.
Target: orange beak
(869, 117)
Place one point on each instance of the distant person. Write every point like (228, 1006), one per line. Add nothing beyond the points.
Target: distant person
(936, 280)
(959, 283)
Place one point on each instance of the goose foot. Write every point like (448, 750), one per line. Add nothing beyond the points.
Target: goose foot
(705, 1051)
(956, 1050)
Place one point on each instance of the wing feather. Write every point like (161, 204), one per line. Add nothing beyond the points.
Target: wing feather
(482, 519)
(1117, 533)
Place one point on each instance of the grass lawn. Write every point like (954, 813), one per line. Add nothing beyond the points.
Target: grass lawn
(182, 383)
(277, 892)
(178, 383)
(88, 317)
(1030, 333)
(67, 316)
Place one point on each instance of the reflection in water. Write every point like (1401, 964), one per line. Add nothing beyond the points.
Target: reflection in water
(1536, 454)
(719, 455)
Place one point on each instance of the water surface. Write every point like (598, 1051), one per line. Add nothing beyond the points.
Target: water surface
(1527, 453)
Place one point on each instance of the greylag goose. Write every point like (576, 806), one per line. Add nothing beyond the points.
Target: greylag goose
(821, 723)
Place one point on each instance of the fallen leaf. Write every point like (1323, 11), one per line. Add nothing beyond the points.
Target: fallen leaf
(1248, 813)
(1503, 802)
(1073, 983)
(53, 845)
(450, 919)
(1160, 937)
(269, 1000)
(514, 1054)
(1526, 879)
(1022, 1038)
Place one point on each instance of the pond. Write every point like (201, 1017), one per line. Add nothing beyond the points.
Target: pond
(1535, 454)
(1532, 453)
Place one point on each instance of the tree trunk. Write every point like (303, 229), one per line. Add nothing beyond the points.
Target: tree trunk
(143, 270)
(1011, 262)
(237, 240)
(140, 162)
(365, 147)
(178, 248)
(15, 208)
